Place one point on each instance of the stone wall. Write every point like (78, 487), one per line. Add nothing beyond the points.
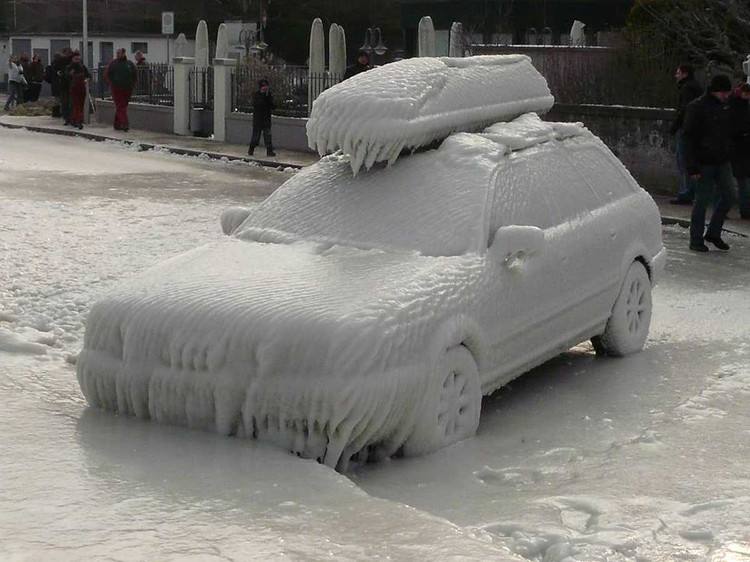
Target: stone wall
(638, 136)
(288, 132)
(155, 118)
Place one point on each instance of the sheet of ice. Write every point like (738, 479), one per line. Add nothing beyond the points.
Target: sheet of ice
(407, 104)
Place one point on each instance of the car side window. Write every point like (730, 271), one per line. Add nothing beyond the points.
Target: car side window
(602, 172)
(539, 187)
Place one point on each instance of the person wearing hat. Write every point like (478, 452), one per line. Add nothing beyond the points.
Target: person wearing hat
(262, 108)
(362, 65)
(708, 133)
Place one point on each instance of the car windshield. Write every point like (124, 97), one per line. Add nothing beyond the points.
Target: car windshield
(423, 203)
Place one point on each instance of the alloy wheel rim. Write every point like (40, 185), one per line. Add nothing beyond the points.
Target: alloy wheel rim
(635, 308)
(454, 402)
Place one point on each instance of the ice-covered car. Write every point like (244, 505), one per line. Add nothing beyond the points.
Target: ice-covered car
(359, 315)
(371, 313)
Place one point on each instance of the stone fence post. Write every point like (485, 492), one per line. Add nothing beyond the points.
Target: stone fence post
(182, 107)
(222, 96)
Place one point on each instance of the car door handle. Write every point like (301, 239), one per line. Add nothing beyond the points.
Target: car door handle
(515, 259)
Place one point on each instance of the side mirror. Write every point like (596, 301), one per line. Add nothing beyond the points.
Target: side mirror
(514, 245)
(233, 217)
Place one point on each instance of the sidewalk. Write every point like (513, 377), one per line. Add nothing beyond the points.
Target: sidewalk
(193, 146)
(680, 214)
(671, 214)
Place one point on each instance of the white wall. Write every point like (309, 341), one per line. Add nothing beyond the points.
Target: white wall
(157, 46)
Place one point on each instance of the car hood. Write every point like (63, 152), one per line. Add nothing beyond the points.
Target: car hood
(292, 309)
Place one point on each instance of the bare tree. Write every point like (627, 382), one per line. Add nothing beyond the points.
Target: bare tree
(713, 34)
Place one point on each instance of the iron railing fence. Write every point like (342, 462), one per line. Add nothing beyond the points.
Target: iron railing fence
(291, 87)
(202, 88)
(154, 84)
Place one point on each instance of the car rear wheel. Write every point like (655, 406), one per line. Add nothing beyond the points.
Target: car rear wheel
(452, 406)
(627, 327)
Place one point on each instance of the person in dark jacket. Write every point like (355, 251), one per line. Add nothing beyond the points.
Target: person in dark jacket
(60, 66)
(708, 131)
(362, 65)
(262, 108)
(740, 107)
(77, 76)
(35, 76)
(121, 75)
(689, 89)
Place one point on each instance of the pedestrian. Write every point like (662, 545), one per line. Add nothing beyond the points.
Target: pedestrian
(77, 77)
(143, 86)
(689, 89)
(16, 82)
(60, 67)
(708, 131)
(25, 63)
(362, 65)
(740, 106)
(121, 74)
(262, 108)
(35, 76)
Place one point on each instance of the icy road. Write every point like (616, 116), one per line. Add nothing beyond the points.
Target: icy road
(643, 458)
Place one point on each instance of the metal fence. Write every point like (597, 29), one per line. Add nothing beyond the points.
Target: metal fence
(290, 86)
(202, 88)
(154, 84)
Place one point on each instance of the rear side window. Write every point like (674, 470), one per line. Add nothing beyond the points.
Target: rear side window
(539, 187)
(606, 176)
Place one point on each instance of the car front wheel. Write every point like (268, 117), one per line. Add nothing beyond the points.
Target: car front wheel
(627, 327)
(452, 406)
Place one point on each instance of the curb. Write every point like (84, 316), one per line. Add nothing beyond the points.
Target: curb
(149, 146)
(685, 223)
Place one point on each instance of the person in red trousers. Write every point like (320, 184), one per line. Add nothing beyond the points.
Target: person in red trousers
(121, 74)
(78, 76)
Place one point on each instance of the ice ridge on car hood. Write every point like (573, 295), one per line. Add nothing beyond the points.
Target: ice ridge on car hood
(314, 350)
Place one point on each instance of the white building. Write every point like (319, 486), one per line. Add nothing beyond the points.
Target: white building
(102, 48)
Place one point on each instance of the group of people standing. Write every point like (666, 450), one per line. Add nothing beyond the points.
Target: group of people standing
(68, 78)
(25, 78)
(712, 131)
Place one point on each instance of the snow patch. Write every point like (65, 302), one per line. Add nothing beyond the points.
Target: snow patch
(11, 342)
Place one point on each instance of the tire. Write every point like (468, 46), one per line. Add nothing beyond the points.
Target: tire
(627, 327)
(452, 405)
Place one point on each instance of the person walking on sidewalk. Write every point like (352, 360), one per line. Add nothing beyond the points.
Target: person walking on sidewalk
(689, 89)
(121, 74)
(262, 108)
(35, 76)
(708, 131)
(60, 66)
(740, 106)
(78, 76)
(16, 82)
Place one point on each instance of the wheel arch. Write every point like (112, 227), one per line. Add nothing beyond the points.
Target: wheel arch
(460, 330)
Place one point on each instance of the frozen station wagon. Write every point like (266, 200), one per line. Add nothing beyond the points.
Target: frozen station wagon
(359, 315)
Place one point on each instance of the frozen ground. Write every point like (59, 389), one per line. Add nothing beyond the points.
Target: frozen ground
(643, 458)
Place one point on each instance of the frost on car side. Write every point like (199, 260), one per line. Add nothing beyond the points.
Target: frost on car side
(358, 316)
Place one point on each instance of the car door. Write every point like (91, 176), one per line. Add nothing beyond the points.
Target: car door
(564, 295)
(524, 296)
(614, 219)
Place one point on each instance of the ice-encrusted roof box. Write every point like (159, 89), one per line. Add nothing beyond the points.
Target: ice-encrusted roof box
(375, 115)
(361, 315)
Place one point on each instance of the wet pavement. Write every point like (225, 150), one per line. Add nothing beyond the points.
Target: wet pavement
(641, 458)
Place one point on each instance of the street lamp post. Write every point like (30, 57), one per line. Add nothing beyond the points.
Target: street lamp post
(84, 56)
(374, 44)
